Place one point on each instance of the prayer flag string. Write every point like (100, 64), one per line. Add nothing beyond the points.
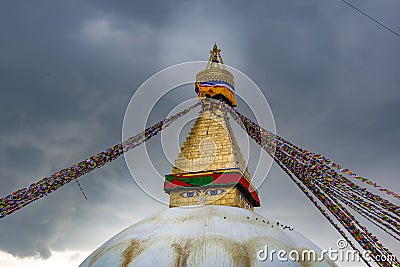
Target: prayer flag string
(321, 177)
(22, 197)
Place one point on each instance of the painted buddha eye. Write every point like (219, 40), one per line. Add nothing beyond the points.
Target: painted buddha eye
(214, 192)
(189, 194)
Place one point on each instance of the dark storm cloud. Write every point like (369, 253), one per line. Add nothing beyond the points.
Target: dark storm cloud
(69, 68)
(52, 69)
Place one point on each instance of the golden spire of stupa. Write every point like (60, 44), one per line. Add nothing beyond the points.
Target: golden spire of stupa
(210, 168)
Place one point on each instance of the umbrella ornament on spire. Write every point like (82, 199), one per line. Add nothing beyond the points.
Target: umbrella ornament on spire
(215, 81)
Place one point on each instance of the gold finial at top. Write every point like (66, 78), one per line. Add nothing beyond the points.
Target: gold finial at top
(215, 57)
(215, 52)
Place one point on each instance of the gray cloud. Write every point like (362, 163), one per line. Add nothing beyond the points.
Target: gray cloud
(68, 70)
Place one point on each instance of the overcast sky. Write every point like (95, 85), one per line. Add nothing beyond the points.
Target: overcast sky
(69, 68)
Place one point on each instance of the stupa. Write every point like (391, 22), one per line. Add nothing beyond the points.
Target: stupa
(211, 219)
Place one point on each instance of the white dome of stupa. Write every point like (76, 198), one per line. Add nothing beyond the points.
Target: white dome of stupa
(208, 235)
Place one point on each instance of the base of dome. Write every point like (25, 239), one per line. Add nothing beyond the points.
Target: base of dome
(203, 236)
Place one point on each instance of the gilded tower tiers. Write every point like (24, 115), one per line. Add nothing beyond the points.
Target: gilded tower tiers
(210, 169)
